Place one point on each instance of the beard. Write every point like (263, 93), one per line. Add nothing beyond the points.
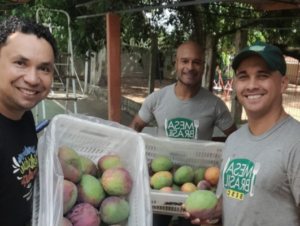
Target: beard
(190, 85)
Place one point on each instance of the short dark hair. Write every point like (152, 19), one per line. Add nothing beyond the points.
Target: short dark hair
(13, 24)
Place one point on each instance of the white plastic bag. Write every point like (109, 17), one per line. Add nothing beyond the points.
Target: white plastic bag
(91, 137)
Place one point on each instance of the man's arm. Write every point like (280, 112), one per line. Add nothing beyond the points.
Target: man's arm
(230, 130)
(224, 118)
(227, 132)
(138, 124)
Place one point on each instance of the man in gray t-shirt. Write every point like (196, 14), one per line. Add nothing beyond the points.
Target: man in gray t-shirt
(260, 173)
(185, 109)
(260, 182)
(193, 119)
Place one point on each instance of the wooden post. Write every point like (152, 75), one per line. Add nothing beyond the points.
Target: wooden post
(113, 67)
(236, 107)
(211, 43)
(153, 65)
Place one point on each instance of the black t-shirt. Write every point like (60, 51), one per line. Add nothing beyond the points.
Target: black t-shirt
(18, 167)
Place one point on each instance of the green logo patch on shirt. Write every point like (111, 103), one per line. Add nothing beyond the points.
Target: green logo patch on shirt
(181, 128)
(239, 177)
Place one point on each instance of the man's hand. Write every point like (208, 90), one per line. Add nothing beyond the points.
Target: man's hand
(216, 217)
(196, 221)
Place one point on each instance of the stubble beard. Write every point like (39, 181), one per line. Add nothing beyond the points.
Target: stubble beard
(190, 85)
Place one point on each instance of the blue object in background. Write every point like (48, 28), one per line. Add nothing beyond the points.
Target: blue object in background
(42, 125)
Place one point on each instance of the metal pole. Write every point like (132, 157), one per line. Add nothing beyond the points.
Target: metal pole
(88, 3)
(71, 52)
(36, 114)
(178, 4)
(267, 28)
(44, 109)
(86, 71)
(271, 18)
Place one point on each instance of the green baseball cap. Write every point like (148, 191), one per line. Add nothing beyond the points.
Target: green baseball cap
(271, 54)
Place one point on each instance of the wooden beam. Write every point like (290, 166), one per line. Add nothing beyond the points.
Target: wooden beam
(274, 6)
(113, 66)
(236, 107)
(154, 55)
(211, 45)
(271, 4)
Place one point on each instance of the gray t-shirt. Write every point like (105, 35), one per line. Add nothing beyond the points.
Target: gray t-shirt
(193, 119)
(260, 176)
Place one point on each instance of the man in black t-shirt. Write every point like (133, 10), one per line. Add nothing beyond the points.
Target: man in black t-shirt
(27, 52)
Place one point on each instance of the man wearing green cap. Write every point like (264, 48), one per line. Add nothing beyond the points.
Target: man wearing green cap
(260, 172)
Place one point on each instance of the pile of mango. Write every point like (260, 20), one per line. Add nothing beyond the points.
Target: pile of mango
(201, 184)
(93, 194)
(166, 176)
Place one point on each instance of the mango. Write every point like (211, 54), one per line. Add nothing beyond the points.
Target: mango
(203, 185)
(84, 214)
(114, 210)
(66, 222)
(88, 166)
(188, 187)
(201, 204)
(212, 175)
(166, 189)
(98, 173)
(108, 161)
(70, 164)
(174, 169)
(214, 189)
(183, 175)
(90, 191)
(69, 195)
(199, 175)
(150, 171)
(161, 164)
(117, 181)
(176, 187)
(161, 179)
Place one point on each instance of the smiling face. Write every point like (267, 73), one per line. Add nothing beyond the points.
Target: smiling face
(189, 64)
(258, 89)
(27, 66)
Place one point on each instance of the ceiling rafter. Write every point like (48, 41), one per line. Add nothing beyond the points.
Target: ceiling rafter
(259, 5)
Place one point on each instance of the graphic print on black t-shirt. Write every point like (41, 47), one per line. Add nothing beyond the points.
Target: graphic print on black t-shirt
(25, 168)
(181, 128)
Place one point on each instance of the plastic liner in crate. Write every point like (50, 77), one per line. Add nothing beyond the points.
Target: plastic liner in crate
(89, 137)
(194, 153)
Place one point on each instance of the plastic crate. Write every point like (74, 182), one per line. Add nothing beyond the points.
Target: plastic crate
(91, 140)
(194, 153)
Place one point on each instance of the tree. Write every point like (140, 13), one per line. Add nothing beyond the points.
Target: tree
(220, 19)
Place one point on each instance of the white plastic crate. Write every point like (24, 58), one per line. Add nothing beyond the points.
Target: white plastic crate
(194, 153)
(91, 139)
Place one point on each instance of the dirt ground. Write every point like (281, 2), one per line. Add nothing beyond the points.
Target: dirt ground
(136, 89)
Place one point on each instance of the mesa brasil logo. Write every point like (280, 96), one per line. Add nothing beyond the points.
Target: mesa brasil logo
(239, 177)
(181, 128)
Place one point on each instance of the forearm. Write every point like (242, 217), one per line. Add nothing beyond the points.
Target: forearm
(138, 124)
(218, 214)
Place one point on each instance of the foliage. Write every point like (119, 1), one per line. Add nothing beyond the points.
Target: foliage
(221, 19)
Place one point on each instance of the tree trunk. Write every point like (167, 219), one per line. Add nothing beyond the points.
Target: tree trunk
(152, 74)
(236, 107)
(211, 53)
(198, 26)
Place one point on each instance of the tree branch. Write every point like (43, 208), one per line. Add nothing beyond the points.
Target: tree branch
(233, 31)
